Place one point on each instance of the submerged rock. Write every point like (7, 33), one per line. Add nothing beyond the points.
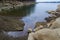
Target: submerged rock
(10, 24)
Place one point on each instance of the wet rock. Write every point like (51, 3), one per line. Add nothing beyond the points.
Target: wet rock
(10, 24)
(48, 19)
(45, 34)
(54, 13)
(51, 12)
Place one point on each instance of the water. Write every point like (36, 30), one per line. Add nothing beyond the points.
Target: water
(33, 14)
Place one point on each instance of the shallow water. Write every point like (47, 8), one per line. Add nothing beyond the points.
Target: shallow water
(35, 13)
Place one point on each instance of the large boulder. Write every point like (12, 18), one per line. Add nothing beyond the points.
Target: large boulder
(10, 24)
(45, 34)
(55, 24)
(52, 33)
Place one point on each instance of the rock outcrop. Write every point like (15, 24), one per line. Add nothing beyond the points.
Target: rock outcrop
(45, 34)
(51, 30)
(55, 12)
(55, 24)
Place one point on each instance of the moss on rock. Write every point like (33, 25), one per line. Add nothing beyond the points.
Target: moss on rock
(10, 23)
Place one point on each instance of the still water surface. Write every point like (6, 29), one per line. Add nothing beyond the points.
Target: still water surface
(33, 14)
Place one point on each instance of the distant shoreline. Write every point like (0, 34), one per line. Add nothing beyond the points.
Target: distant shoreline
(15, 5)
(48, 2)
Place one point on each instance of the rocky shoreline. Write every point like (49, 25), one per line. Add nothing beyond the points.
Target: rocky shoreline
(49, 30)
(16, 4)
(13, 23)
(55, 14)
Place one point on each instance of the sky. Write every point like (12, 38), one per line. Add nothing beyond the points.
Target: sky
(46, 0)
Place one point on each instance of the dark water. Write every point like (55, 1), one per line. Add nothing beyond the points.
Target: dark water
(32, 14)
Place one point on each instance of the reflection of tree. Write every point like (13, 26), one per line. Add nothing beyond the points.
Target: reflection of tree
(3, 1)
(26, 0)
(20, 0)
(21, 11)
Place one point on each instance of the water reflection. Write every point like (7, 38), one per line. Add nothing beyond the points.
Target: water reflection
(35, 14)
(19, 12)
(22, 12)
